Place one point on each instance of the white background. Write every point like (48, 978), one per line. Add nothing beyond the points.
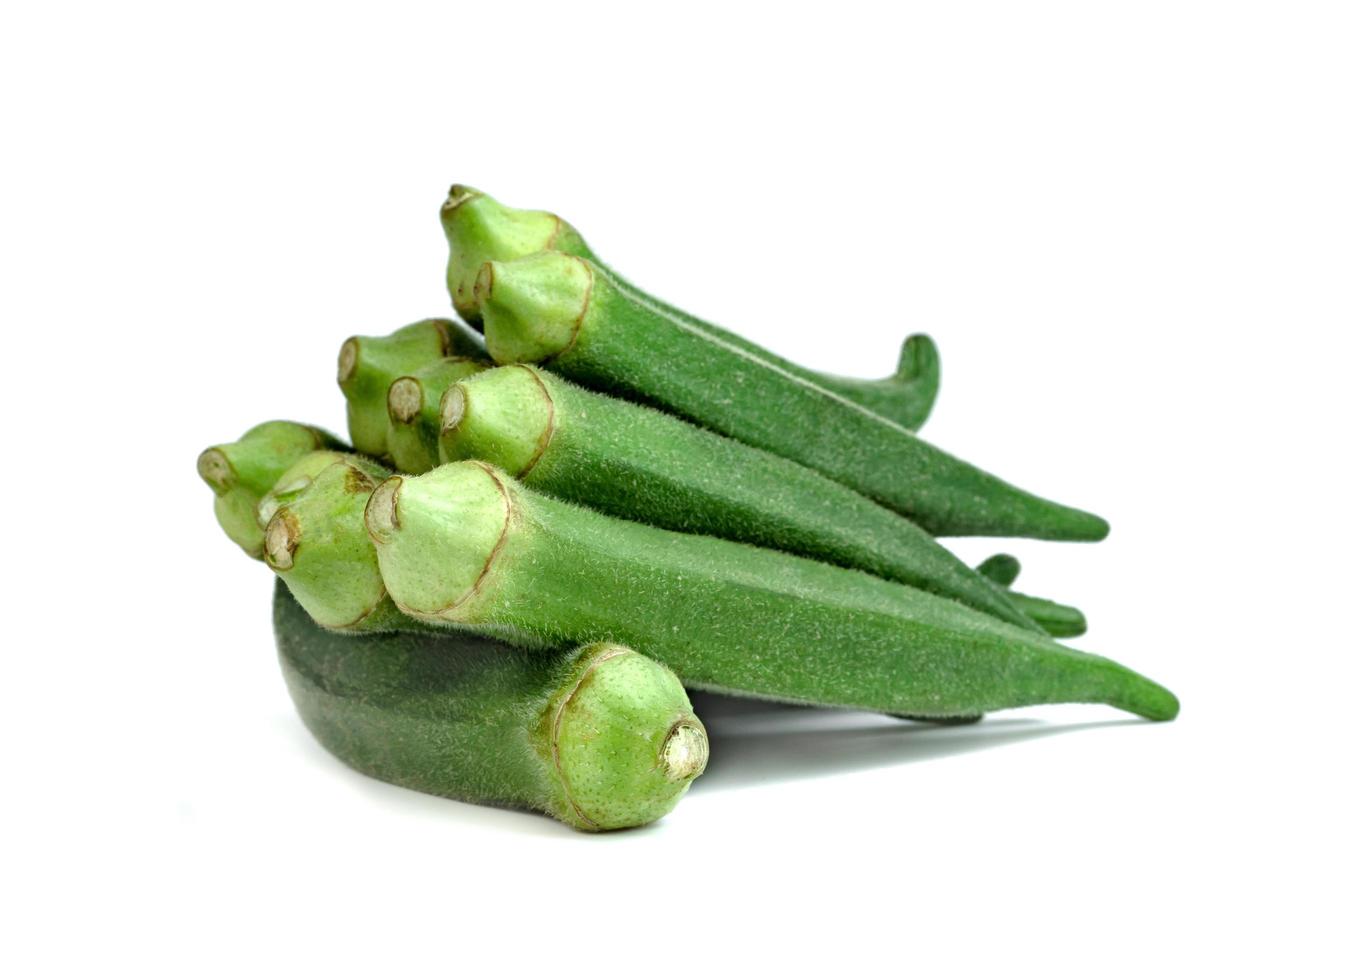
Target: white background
(1126, 225)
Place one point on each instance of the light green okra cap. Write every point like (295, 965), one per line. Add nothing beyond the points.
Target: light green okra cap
(240, 473)
(624, 741)
(480, 229)
(317, 545)
(505, 415)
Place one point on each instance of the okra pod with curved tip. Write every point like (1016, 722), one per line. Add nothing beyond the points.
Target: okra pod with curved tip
(599, 737)
(241, 472)
(557, 309)
(1001, 569)
(633, 462)
(413, 406)
(368, 365)
(1055, 619)
(467, 544)
(479, 229)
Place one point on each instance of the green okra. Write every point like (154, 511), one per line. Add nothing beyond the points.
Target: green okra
(301, 474)
(413, 406)
(598, 737)
(1056, 619)
(479, 229)
(1001, 569)
(368, 365)
(643, 465)
(241, 472)
(558, 310)
(316, 544)
(466, 544)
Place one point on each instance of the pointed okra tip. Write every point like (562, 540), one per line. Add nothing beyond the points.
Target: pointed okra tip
(503, 416)
(438, 536)
(626, 744)
(533, 307)
(481, 229)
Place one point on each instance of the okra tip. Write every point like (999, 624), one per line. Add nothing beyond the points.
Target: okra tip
(625, 741)
(1002, 569)
(533, 307)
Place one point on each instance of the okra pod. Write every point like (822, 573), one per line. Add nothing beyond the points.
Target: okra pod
(598, 737)
(643, 465)
(466, 544)
(480, 229)
(559, 310)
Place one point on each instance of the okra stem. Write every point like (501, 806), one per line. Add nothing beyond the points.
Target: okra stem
(241, 472)
(368, 365)
(413, 405)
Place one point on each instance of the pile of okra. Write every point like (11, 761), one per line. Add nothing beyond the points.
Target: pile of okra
(557, 511)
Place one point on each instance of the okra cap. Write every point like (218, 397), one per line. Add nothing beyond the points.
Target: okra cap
(480, 229)
(437, 535)
(626, 744)
(533, 307)
(504, 416)
(317, 544)
(241, 472)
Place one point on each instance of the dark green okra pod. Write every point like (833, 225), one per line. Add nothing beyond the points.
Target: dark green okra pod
(466, 544)
(479, 229)
(598, 737)
(557, 309)
(413, 405)
(643, 465)
(241, 472)
(1056, 619)
(368, 365)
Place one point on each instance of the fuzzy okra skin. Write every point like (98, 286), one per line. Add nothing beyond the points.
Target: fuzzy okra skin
(559, 310)
(1055, 619)
(368, 365)
(633, 462)
(598, 737)
(480, 229)
(413, 404)
(240, 473)
(466, 544)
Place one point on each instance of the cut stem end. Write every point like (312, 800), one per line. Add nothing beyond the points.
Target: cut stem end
(685, 752)
(382, 510)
